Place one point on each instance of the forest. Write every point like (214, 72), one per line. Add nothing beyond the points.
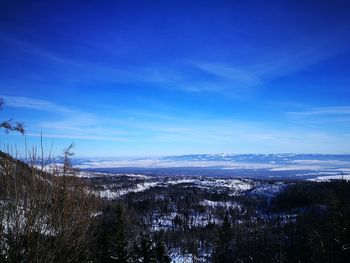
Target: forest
(55, 216)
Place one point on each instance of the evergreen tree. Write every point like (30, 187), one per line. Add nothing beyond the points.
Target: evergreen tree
(144, 251)
(121, 252)
(104, 240)
(161, 252)
(223, 252)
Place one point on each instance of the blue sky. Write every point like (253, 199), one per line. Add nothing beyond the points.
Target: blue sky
(136, 78)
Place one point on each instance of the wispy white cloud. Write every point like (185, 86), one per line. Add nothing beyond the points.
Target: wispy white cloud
(29, 48)
(255, 71)
(69, 123)
(169, 127)
(235, 76)
(319, 111)
(77, 136)
(326, 118)
(242, 77)
(30, 103)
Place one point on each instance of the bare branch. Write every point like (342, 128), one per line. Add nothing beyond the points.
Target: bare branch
(10, 125)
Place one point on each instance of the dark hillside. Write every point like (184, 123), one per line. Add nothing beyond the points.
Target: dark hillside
(44, 217)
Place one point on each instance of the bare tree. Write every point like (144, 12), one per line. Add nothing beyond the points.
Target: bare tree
(44, 216)
(10, 125)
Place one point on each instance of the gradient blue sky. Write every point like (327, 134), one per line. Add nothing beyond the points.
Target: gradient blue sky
(136, 78)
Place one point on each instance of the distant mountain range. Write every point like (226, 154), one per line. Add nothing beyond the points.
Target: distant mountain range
(301, 166)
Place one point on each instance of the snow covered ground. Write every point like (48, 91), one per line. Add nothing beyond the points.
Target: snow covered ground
(177, 257)
(232, 186)
(331, 177)
(110, 194)
(214, 204)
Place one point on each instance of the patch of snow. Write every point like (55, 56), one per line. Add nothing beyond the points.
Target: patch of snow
(328, 178)
(113, 194)
(268, 189)
(177, 257)
(182, 181)
(227, 204)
